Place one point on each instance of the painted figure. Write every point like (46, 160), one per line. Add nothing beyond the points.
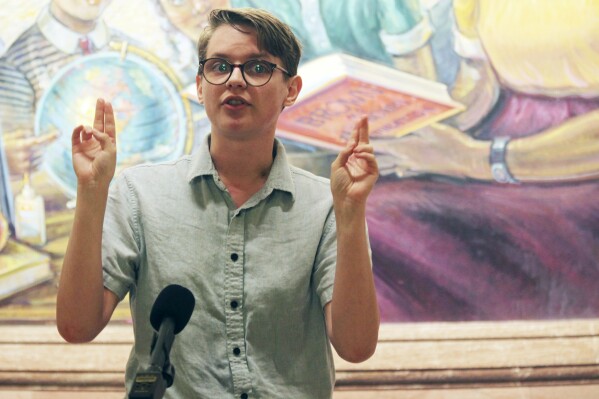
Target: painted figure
(391, 32)
(182, 21)
(495, 216)
(6, 197)
(62, 32)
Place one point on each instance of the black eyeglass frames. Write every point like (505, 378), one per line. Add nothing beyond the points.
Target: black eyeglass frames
(217, 71)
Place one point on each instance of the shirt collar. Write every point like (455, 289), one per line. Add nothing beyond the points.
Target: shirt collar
(67, 40)
(279, 178)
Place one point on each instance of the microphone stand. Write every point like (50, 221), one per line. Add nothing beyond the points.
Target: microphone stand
(153, 381)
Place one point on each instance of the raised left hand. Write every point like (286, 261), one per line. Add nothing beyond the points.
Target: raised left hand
(355, 170)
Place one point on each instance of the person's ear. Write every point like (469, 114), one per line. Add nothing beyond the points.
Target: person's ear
(199, 89)
(294, 87)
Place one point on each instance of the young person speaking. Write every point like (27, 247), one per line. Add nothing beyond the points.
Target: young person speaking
(277, 259)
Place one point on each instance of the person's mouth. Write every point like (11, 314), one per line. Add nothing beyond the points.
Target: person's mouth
(235, 101)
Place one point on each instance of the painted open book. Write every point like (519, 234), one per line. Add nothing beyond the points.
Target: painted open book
(339, 88)
(22, 267)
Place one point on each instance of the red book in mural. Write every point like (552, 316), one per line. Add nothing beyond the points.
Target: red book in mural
(344, 87)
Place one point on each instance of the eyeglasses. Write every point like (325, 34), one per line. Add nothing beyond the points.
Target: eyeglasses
(217, 71)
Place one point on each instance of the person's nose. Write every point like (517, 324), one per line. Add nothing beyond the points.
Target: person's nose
(236, 79)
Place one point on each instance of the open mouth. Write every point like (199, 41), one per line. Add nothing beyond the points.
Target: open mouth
(235, 101)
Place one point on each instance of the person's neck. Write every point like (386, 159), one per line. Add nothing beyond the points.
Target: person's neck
(243, 166)
(71, 22)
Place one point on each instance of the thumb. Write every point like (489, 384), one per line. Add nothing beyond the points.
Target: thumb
(103, 138)
(344, 155)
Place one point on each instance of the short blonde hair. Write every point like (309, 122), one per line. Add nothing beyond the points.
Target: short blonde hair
(274, 36)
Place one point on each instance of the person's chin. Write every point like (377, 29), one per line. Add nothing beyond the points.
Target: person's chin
(235, 128)
(236, 121)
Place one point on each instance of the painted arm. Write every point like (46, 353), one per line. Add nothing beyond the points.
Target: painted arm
(475, 85)
(23, 149)
(567, 152)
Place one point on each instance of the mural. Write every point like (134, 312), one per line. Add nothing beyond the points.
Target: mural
(484, 116)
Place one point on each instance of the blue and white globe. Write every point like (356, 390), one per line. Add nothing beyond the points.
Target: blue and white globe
(152, 118)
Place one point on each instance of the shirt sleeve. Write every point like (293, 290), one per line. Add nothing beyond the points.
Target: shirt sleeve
(466, 41)
(326, 261)
(465, 17)
(120, 238)
(16, 99)
(399, 16)
(405, 26)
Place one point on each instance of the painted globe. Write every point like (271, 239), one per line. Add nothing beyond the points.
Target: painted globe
(151, 116)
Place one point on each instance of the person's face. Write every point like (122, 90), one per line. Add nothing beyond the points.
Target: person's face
(84, 10)
(190, 16)
(236, 109)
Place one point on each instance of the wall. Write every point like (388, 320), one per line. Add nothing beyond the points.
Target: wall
(452, 246)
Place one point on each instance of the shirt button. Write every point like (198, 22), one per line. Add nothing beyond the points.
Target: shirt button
(244, 396)
(236, 351)
(234, 304)
(234, 257)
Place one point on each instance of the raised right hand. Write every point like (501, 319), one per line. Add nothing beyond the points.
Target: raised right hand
(94, 149)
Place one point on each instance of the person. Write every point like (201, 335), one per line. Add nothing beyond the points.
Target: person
(493, 215)
(277, 258)
(66, 30)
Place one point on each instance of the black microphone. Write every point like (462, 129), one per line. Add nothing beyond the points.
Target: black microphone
(170, 313)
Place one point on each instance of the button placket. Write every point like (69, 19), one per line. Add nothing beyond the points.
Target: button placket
(233, 311)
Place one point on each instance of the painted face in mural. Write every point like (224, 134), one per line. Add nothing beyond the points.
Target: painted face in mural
(82, 10)
(190, 16)
(236, 109)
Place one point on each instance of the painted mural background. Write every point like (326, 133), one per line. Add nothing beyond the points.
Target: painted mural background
(451, 240)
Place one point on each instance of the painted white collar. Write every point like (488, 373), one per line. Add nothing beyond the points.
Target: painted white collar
(67, 40)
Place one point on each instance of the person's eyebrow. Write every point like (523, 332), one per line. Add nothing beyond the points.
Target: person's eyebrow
(252, 56)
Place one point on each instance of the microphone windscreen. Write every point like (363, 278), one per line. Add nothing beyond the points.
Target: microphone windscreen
(176, 302)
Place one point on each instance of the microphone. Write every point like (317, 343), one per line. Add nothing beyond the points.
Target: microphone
(170, 313)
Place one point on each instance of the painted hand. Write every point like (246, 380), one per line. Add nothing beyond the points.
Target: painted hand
(24, 151)
(437, 149)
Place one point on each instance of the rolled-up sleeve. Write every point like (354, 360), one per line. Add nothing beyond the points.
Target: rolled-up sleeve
(325, 261)
(121, 243)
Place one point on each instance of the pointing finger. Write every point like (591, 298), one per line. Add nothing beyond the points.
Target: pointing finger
(362, 128)
(344, 155)
(46, 138)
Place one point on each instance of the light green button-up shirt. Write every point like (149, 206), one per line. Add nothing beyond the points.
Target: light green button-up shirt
(261, 275)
